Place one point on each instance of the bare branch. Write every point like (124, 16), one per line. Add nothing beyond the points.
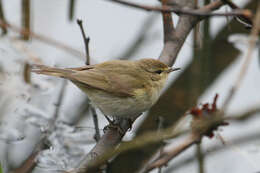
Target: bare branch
(26, 4)
(182, 11)
(172, 152)
(86, 41)
(243, 70)
(106, 144)
(95, 120)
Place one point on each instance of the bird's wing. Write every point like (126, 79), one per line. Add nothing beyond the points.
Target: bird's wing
(118, 84)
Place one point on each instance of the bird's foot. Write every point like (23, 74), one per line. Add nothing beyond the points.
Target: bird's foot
(114, 124)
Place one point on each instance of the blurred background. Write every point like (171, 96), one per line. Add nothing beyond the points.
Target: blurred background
(48, 120)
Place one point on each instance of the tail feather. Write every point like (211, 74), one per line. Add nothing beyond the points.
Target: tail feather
(51, 71)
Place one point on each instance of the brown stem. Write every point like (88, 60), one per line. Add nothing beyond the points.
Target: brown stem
(26, 18)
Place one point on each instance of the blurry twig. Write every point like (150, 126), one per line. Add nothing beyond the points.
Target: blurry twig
(86, 41)
(71, 9)
(245, 115)
(42, 38)
(26, 18)
(252, 42)
(2, 17)
(27, 73)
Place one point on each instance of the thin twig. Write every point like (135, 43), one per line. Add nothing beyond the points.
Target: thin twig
(93, 111)
(95, 120)
(86, 41)
(252, 42)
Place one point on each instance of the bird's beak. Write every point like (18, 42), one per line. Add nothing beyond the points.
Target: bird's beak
(172, 69)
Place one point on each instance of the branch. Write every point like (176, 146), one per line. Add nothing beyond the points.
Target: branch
(252, 43)
(172, 45)
(245, 19)
(86, 41)
(177, 36)
(92, 109)
(111, 138)
(182, 11)
(26, 4)
(95, 120)
(238, 140)
(174, 151)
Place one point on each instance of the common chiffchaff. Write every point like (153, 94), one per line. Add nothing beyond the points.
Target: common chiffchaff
(119, 88)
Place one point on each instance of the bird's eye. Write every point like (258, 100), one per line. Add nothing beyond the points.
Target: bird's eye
(158, 71)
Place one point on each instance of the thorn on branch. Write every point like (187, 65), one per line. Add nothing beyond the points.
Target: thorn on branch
(86, 41)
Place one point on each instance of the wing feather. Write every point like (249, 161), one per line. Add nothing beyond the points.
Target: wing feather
(107, 80)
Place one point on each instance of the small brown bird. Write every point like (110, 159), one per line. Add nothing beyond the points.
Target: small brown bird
(119, 88)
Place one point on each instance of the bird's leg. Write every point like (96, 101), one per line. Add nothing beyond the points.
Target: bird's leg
(113, 124)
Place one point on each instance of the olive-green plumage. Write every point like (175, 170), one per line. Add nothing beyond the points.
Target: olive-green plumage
(119, 87)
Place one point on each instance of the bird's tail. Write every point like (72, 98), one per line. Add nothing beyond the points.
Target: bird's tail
(51, 71)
